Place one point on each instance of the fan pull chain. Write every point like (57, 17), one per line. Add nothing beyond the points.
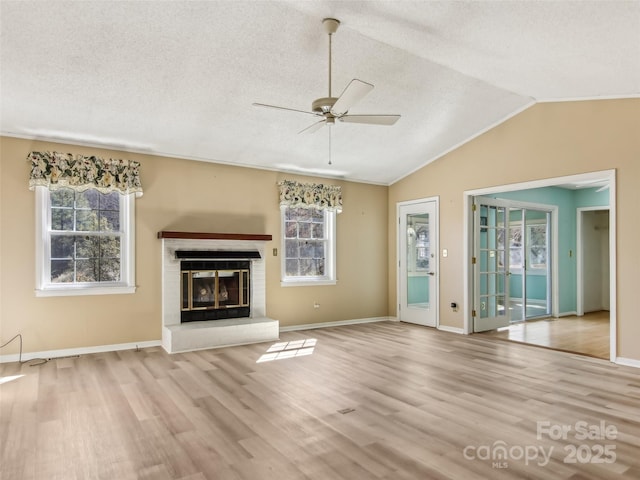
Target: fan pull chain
(329, 128)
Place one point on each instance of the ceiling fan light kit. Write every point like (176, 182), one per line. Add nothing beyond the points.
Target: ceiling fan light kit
(331, 108)
(323, 105)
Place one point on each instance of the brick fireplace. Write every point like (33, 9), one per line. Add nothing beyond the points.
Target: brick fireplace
(224, 301)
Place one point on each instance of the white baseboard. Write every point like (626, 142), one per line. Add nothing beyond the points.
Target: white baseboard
(567, 314)
(629, 362)
(72, 352)
(446, 328)
(339, 323)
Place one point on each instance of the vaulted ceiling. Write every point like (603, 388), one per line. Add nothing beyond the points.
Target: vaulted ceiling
(179, 78)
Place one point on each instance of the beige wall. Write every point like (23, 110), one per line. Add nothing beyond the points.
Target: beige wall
(547, 140)
(189, 196)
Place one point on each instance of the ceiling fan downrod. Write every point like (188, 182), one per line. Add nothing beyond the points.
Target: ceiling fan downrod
(331, 26)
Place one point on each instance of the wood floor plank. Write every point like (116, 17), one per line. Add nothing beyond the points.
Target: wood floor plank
(413, 401)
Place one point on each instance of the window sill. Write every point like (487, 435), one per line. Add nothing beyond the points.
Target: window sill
(307, 283)
(77, 291)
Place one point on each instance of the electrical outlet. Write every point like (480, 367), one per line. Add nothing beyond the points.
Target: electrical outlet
(316, 305)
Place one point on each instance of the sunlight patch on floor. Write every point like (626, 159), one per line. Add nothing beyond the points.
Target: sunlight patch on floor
(282, 350)
(9, 378)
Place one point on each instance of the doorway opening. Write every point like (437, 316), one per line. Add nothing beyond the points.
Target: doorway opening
(593, 260)
(565, 249)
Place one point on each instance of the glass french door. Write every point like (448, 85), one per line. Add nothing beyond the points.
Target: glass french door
(529, 263)
(512, 269)
(491, 265)
(418, 255)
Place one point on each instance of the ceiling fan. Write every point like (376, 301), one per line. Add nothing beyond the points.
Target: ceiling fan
(331, 108)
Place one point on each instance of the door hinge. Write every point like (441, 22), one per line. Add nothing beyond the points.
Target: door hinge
(473, 313)
(473, 260)
(473, 207)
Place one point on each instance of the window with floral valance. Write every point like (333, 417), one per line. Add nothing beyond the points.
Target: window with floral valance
(85, 223)
(308, 213)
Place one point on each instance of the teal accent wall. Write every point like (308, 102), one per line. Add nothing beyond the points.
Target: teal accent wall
(567, 201)
(536, 286)
(590, 197)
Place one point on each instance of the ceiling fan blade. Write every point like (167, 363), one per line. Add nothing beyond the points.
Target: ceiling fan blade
(284, 108)
(313, 127)
(355, 91)
(371, 119)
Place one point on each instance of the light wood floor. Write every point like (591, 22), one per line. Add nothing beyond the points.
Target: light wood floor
(587, 335)
(420, 400)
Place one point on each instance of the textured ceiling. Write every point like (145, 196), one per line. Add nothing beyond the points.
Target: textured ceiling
(178, 78)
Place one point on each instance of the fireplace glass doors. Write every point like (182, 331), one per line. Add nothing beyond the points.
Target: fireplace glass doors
(213, 290)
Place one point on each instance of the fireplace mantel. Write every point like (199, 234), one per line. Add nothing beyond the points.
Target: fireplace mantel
(214, 236)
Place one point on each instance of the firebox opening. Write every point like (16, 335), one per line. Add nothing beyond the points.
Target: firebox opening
(214, 289)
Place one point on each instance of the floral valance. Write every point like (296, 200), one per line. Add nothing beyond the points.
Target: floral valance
(310, 195)
(64, 170)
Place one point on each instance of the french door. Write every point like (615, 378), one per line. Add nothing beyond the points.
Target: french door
(418, 262)
(512, 267)
(529, 263)
(491, 265)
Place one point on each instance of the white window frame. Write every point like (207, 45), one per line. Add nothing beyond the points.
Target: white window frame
(329, 278)
(44, 286)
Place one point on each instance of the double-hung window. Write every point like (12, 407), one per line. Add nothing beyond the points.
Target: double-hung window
(85, 242)
(308, 246)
